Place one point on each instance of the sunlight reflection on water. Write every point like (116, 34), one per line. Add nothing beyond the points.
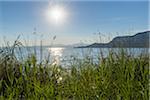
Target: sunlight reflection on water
(66, 56)
(56, 53)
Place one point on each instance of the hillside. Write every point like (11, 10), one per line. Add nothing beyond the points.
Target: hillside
(139, 40)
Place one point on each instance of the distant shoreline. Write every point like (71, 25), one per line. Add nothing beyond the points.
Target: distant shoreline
(139, 40)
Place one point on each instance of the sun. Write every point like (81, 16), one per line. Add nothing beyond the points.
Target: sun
(56, 14)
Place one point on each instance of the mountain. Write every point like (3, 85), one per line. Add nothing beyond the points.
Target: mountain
(139, 40)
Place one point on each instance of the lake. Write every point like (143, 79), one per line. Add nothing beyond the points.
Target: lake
(66, 55)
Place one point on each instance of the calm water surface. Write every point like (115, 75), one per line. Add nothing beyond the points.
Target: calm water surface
(65, 55)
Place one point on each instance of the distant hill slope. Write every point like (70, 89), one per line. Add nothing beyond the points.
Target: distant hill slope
(139, 40)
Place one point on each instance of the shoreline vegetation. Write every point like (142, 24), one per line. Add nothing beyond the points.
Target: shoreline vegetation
(119, 76)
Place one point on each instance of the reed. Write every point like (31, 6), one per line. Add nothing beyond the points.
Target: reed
(117, 77)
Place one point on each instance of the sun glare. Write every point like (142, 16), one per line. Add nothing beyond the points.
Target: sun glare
(56, 14)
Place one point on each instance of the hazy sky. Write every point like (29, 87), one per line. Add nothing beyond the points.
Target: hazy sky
(84, 19)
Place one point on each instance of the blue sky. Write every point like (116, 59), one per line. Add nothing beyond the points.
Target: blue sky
(85, 18)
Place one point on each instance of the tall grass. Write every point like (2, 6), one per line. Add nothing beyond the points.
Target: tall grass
(117, 77)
